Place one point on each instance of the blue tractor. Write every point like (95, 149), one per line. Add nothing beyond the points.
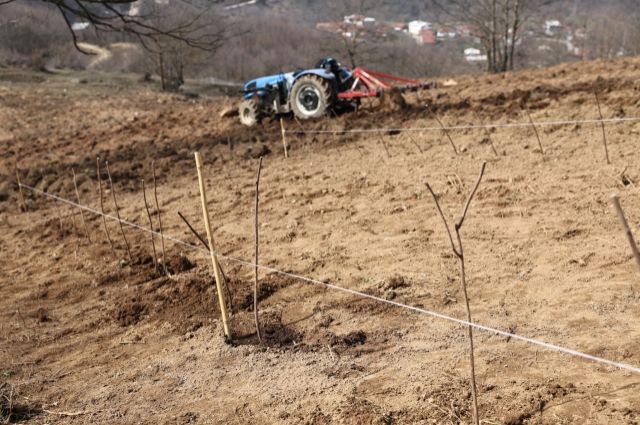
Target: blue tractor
(308, 93)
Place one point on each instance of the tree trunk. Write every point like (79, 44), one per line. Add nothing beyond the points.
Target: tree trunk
(505, 41)
(494, 47)
(161, 65)
(514, 32)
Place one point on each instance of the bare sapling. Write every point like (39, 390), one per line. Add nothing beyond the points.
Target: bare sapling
(535, 129)
(445, 131)
(625, 227)
(206, 245)
(115, 203)
(195, 233)
(155, 194)
(604, 133)
(104, 217)
(255, 263)
(384, 144)
(60, 223)
(84, 222)
(73, 220)
(412, 140)
(284, 138)
(459, 252)
(153, 243)
(486, 132)
(23, 205)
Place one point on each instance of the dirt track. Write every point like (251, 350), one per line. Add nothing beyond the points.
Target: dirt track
(84, 333)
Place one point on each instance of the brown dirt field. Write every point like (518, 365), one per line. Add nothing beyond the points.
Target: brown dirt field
(88, 338)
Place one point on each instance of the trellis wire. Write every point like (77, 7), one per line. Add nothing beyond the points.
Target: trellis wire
(488, 329)
(464, 127)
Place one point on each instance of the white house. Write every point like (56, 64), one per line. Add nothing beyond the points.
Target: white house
(474, 55)
(416, 27)
(446, 33)
(80, 26)
(550, 27)
(369, 22)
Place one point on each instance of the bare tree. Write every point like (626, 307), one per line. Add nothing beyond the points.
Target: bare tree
(169, 56)
(353, 39)
(498, 24)
(121, 16)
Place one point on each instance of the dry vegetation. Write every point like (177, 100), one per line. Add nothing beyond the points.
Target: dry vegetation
(87, 337)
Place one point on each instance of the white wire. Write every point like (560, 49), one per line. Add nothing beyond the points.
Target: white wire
(437, 315)
(466, 127)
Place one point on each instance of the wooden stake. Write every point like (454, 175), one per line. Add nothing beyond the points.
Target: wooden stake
(153, 243)
(115, 202)
(214, 260)
(224, 276)
(535, 130)
(604, 133)
(255, 270)
(155, 194)
(444, 129)
(104, 218)
(384, 144)
(625, 226)
(459, 252)
(24, 204)
(84, 223)
(284, 138)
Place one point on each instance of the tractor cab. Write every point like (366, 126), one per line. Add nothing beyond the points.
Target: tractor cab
(344, 76)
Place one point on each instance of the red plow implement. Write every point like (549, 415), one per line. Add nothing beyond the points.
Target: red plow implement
(372, 83)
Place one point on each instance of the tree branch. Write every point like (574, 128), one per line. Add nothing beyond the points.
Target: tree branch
(444, 220)
(471, 195)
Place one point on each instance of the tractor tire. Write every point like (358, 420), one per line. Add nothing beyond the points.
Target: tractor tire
(249, 112)
(311, 97)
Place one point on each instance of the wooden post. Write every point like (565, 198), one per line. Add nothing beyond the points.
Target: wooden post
(625, 226)
(84, 222)
(604, 133)
(214, 259)
(255, 275)
(284, 138)
(24, 204)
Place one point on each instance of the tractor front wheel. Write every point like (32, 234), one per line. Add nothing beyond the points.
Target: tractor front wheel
(311, 97)
(249, 112)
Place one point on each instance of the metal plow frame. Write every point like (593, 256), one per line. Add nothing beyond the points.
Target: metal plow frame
(373, 83)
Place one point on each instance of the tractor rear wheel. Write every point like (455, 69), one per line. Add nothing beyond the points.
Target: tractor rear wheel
(311, 97)
(249, 112)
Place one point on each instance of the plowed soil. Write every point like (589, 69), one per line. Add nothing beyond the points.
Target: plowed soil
(89, 335)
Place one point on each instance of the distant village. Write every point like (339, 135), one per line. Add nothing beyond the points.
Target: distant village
(548, 34)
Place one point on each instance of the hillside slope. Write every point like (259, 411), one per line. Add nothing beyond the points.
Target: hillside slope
(89, 336)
